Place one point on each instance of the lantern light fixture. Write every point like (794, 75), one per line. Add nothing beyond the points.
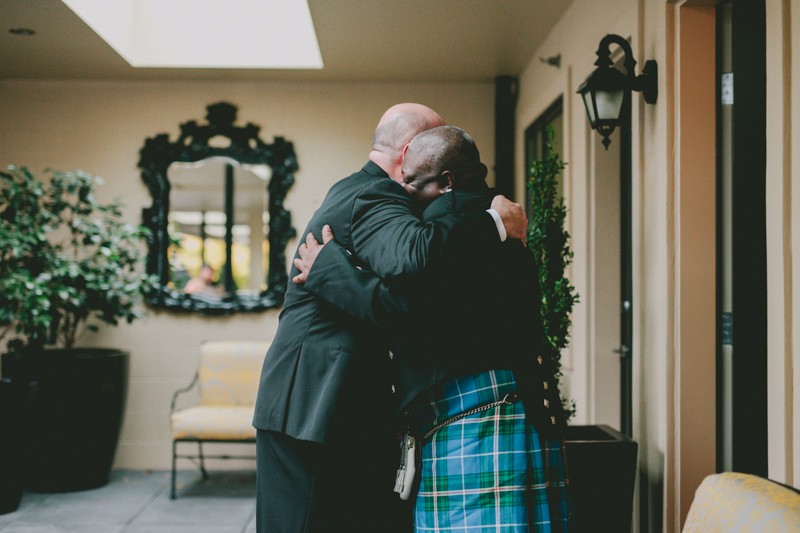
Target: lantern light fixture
(605, 90)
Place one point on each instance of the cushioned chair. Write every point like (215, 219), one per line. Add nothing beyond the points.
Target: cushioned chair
(732, 502)
(227, 379)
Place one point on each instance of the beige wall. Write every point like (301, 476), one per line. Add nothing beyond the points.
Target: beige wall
(100, 126)
(673, 237)
(692, 448)
(540, 86)
(783, 244)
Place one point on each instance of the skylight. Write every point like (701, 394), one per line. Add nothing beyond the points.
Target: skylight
(266, 34)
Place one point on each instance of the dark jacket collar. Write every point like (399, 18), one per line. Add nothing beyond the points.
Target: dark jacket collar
(372, 168)
(459, 201)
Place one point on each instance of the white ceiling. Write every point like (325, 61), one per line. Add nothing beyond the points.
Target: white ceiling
(360, 40)
(247, 33)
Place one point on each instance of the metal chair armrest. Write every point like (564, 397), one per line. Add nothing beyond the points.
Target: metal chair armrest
(183, 390)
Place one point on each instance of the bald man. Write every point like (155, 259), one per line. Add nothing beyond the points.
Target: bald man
(326, 441)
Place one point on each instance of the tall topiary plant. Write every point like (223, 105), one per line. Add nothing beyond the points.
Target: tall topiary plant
(549, 242)
(67, 261)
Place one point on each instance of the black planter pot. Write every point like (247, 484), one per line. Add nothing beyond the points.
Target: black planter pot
(602, 472)
(16, 401)
(76, 418)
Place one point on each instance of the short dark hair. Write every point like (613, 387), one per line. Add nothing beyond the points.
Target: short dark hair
(450, 148)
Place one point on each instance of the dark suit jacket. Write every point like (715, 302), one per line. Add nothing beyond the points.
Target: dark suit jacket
(475, 308)
(325, 371)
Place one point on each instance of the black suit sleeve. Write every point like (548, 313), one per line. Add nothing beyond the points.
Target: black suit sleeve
(390, 239)
(360, 293)
(407, 299)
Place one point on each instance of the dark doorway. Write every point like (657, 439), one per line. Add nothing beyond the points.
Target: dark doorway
(741, 240)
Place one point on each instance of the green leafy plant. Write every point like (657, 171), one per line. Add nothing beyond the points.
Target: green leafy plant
(549, 242)
(67, 261)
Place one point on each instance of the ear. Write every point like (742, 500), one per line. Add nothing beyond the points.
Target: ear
(403, 151)
(447, 181)
(397, 165)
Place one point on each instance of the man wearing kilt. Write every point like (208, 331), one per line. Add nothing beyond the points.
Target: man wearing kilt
(322, 386)
(472, 384)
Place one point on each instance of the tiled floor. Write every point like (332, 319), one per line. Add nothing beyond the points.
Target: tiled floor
(138, 502)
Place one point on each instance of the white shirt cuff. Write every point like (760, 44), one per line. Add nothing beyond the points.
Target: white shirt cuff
(501, 229)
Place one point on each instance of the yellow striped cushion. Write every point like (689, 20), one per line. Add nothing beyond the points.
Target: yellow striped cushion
(213, 422)
(230, 371)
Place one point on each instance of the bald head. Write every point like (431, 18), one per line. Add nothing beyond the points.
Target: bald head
(442, 158)
(398, 125)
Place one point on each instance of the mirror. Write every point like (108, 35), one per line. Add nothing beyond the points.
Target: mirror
(219, 228)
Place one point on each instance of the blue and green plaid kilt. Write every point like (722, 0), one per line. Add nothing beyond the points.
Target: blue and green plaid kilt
(490, 470)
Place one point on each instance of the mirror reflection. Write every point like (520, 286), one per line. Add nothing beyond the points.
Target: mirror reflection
(207, 255)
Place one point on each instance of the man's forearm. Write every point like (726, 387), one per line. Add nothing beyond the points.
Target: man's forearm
(359, 293)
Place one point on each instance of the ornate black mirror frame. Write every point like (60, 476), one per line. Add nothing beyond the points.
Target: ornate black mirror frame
(246, 147)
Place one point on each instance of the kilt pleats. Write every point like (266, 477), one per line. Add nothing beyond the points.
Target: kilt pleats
(489, 471)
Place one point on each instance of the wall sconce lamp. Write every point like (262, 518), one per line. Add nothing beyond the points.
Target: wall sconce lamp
(605, 90)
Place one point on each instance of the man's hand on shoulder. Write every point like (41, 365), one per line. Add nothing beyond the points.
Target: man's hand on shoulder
(308, 252)
(513, 217)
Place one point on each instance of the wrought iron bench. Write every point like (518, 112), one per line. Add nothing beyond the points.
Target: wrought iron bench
(227, 381)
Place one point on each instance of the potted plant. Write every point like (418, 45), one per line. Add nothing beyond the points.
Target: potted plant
(602, 462)
(67, 262)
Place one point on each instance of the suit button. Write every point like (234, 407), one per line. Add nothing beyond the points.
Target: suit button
(546, 402)
(539, 359)
(393, 389)
(546, 385)
(553, 420)
(391, 354)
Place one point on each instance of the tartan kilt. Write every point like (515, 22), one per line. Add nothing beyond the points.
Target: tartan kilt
(489, 470)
